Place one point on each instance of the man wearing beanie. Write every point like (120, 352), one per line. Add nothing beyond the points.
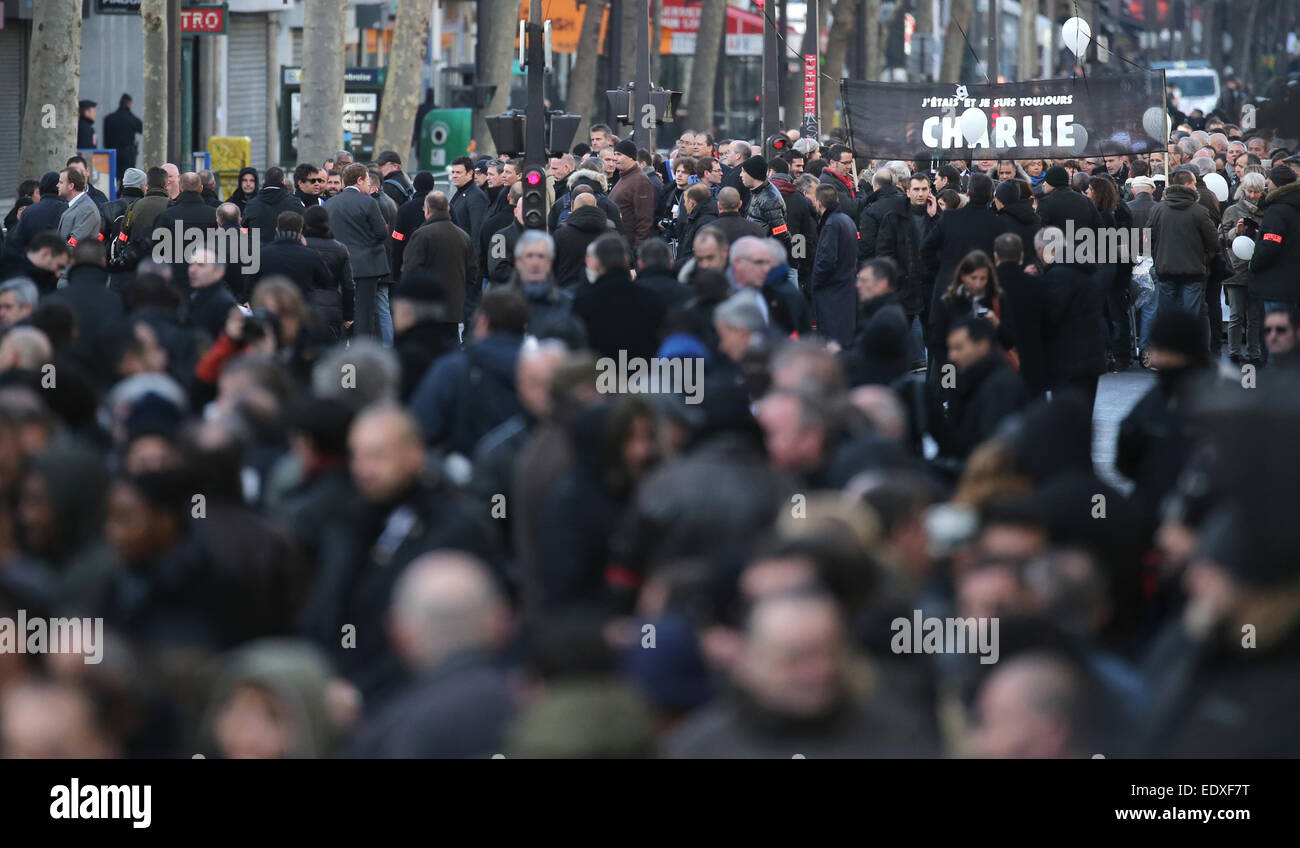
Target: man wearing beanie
(1061, 207)
(766, 206)
(409, 216)
(1144, 189)
(1184, 243)
(633, 194)
(1154, 441)
(115, 210)
(1275, 278)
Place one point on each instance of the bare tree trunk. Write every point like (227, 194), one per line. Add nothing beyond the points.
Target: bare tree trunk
(498, 26)
(402, 87)
(1241, 44)
(704, 70)
(874, 46)
(954, 46)
(54, 80)
(632, 12)
(1211, 37)
(153, 112)
(656, 35)
(582, 78)
(320, 105)
(837, 44)
(1028, 41)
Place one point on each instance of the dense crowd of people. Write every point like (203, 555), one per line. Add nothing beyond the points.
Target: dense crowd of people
(353, 479)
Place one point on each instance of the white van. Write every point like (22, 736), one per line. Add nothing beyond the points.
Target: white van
(1197, 84)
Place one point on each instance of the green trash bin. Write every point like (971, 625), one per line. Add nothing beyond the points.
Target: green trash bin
(445, 134)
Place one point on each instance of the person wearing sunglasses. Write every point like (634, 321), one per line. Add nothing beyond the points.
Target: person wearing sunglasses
(308, 183)
(1280, 323)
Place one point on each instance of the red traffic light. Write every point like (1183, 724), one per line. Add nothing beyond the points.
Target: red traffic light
(533, 177)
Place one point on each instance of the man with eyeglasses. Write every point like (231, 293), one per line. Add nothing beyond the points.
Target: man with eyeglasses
(839, 173)
(710, 173)
(1280, 323)
(308, 184)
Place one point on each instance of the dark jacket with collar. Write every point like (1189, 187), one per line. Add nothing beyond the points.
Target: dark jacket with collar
(1062, 205)
(1075, 325)
(410, 217)
(619, 315)
(1275, 267)
(959, 232)
(400, 193)
(986, 393)
(288, 257)
(39, 217)
(899, 240)
(1183, 236)
(583, 226)
(1026, 295)
(469, 206)
(802, 221)
(467, 393)
(262, 209)
(879, 354)
(444, 248)
(99, 311)
(875, 207)
(832, 284)
(700, 217)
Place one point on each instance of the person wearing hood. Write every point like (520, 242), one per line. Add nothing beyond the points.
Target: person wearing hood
(799, 217)
(245, 188)
(441, 247)
(619, 313)
(468, 392)
(449, 625)
(585, 223)
(262, 210)
(274, 699)
(595, 180)
(61, 513)
(410, 216)
(1184, 243)
(834, 295)
(1277, 248)
(1013, 201)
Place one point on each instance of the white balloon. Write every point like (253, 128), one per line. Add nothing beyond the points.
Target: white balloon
(1076, 34)
(1243, 247)
(974, 125)
(1154, 122)
(1217, 184)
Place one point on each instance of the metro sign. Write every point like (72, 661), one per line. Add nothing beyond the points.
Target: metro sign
(205, 20)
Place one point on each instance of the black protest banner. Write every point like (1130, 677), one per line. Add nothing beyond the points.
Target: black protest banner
(1054, 119)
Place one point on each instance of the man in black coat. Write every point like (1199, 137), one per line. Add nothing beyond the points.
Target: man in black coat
(987, 388)
(960, 231)
(1074, 324)
(586, 223)
(879, 354)
(421, 331)
(189, 212)
(492, 250)
(832, 286)
(886, 198)
(120, 130)
(1062, 207)
(273, 198)
(469, 204)
(98, 309)
(86, 124)
(654, 271)
(1277, 247)
(208, 301)
(395, 182)
(43, 261)
(1025, 295)
(619, 314)
(410, 215)
(839, 173)
(443, 249)
(289, 256)
(40, 216)
(698, 211)
(799, 217)
(730, 219)
(401, 517)
(902, 232)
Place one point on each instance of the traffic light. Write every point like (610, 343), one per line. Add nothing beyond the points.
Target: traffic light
(534, 198)
(779, 144)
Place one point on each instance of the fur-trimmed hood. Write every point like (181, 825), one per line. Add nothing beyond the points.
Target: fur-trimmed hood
(595, 179)
(1289, 192)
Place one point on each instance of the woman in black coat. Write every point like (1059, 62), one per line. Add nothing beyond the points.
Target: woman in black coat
(973, 290)
(1115, 273)
(334, 306)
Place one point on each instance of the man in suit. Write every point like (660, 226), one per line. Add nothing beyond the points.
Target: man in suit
(357, 222)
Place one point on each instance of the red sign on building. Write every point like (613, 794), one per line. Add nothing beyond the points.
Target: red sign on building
(209, 20)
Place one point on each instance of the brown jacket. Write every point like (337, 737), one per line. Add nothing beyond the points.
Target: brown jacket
(636, 205)
(440, 246)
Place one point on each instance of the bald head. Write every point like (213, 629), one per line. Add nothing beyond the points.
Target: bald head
(537, 364)
(387, 452)
(586, 198)
(1032, 707)
(190, 182)
(445, 603)
(728, 200)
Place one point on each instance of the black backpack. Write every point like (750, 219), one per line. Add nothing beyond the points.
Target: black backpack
(408, 193)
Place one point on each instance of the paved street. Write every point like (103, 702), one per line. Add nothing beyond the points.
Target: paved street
(1116, 395)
